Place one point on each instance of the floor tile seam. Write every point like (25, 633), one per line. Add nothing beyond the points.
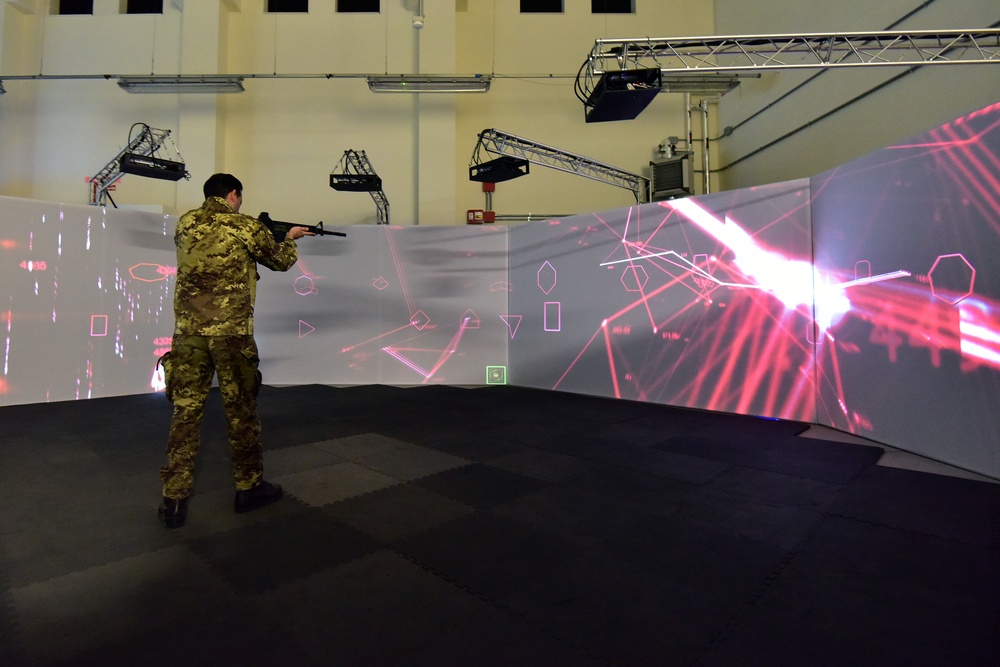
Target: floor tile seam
(409, 447)
(396, 480)
(747, 606)
(95, 566)
(496, 604)
(252, 595)
(314, 446)
(651, 473)
(251, 518)
(316, 443)
(15, 635)
(391, 486)
(729, 468)
(992, 542)
(305, 505)
(722, 495)
(444, 450)
(684, 512)
(497, 464)
(843, 484)
(399, 443)
(386, 543)
(568, 536)
(361, 494)
(708, 480)
(836, 489)
(405, 481)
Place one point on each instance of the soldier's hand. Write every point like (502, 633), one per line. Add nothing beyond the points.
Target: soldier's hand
(299, 232)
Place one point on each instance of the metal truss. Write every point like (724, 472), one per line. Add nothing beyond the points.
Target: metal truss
(355, 162)
(688, 56)
(714, 65)
(500, 143)
(146, 144)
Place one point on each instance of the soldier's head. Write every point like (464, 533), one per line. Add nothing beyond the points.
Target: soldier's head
(227, 187)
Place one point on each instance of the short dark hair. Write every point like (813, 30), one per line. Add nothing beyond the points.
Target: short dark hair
(220, 185)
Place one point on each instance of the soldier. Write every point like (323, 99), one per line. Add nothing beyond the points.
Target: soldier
(218, 250)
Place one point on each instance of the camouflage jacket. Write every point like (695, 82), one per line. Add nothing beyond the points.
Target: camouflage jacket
(217, 255)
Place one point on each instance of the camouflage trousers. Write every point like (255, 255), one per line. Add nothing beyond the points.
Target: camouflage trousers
(188, 371)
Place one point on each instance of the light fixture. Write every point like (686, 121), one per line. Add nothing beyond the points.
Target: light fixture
(622, 95)
(181, 84)
(700, 82)
(504, 168)
(356, 182)
(429, 83)
(139, 157)
(152, 167)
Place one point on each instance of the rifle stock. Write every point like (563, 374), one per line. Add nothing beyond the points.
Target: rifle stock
(280, 228)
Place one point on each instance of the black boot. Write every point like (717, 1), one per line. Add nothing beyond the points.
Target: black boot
(264, 493)
(173, 511)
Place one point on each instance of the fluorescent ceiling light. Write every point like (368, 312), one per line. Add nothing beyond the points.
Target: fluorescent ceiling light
(421, 83)
(181, 84)
(703, 82)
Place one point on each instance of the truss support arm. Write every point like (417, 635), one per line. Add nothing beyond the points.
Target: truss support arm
(145, 144)
(357, 163)
(500, 143)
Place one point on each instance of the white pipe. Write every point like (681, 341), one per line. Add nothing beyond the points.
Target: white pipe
(703, 105)
(418, 19)
(687, 122)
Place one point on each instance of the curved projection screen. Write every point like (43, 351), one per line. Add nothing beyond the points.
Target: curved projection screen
(866, 298)
(908, 244)
(703, 302)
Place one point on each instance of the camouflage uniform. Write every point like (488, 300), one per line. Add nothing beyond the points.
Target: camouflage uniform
(217, 255)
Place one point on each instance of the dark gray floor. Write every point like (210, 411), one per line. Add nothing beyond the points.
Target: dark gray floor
(491, 526)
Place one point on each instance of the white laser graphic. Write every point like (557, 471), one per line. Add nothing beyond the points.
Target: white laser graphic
(794, 282)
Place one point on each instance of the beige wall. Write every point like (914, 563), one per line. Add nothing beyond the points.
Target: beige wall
(927, 98)
(284, 135)
(537, 58)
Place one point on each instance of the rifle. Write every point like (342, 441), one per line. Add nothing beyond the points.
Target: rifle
(279, 228)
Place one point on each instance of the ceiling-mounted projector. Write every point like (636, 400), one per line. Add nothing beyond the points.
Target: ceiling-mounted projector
(151, 167)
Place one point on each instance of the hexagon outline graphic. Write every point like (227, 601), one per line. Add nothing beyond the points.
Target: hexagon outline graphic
(634, 270)
(968, 289)
(548, 278)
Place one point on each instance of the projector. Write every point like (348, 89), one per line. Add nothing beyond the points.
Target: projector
(504, 168)
(356, 182)
(622, 95)
(151, 167)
